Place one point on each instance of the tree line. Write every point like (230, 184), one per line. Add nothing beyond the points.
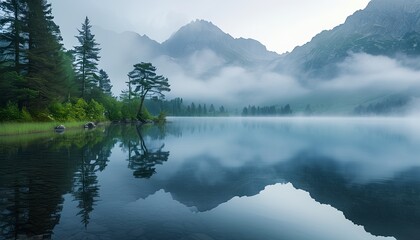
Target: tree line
(267, 110)
(41, 80)
(394, 105)
(177, 107)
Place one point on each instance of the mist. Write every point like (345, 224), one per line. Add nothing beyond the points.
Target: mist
(362, 71)
(206, 77)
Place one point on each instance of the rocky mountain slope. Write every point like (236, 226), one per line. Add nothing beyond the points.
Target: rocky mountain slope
(201, 35)
(199, 48)
(385, 27)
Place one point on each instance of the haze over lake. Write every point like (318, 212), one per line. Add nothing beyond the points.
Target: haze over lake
(216, 178)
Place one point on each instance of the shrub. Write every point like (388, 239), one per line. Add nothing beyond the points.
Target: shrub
(161, 118)
(25, 115)
(129, 109)
(11, 113)
(95, 111)
(145, 115)
(78, 111)
(59, 112)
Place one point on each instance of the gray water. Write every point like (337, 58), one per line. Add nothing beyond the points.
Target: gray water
(216, 178)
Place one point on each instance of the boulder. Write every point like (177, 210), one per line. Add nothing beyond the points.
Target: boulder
(90, 125)
(60, 128)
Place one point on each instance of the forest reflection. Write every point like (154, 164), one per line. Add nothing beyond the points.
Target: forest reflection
(106, 177)
(36, 173)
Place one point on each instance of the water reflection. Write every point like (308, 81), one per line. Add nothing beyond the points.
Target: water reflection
(95, 149)
(368, 169)
(143, 159)
(36, 173)
(34, 176)
(207, 179)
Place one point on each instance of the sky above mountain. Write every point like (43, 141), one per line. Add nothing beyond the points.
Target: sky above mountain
(281, 25)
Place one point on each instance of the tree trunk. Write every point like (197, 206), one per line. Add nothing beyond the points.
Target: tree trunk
(17, 37)
(83, 75)
(139, 111)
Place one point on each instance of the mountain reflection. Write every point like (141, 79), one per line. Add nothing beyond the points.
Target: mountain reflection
(368, 172)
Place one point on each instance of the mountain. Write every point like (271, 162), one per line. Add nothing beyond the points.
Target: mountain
(210, 62)
(120, 51)
(203, 35)
(198, 50)
(384, 27)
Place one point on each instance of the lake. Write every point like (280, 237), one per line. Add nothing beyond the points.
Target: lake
(215, 178)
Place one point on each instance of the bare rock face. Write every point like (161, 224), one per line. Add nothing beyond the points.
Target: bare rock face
(386, 17)
(384, 27)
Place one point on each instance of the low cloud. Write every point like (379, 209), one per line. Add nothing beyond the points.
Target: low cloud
(204, 61)
(206, 77)
(364, 72)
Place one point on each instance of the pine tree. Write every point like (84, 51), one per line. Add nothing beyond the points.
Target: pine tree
(104, 82)
(205, 110)
(193, 109)
(12, 39)
(147, 84)
(12, 52)
(49, 70)
(212, 110)
(87, 57)
(128, 94)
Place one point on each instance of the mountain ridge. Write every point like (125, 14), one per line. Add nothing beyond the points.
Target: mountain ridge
(200, 54)
(198, 40)
(201, 34)
(384, 27)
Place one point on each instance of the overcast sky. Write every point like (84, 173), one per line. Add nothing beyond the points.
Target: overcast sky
(279, 24)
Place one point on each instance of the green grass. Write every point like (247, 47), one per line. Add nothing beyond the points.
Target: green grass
(7, 129)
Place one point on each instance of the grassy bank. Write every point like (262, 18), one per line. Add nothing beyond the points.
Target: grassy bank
(7, 129)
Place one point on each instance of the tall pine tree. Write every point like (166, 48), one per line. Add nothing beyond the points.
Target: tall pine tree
(12, 38)
(49, 69)
(12, 52)
(87, 57)
(34, 70)
(104, 82)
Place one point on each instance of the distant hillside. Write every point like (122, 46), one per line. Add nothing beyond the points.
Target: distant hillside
(201, 35)
(204, 63)
(199, 42)
(385, 27)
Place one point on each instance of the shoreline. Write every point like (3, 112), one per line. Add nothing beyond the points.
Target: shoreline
(15, 129)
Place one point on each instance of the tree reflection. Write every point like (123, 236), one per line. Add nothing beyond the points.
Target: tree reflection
(85, 189)
(142, 158)
(94, 158)
(35, 174)
(32, 181)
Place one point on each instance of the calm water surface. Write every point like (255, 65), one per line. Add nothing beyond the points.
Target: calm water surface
(220, 178)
